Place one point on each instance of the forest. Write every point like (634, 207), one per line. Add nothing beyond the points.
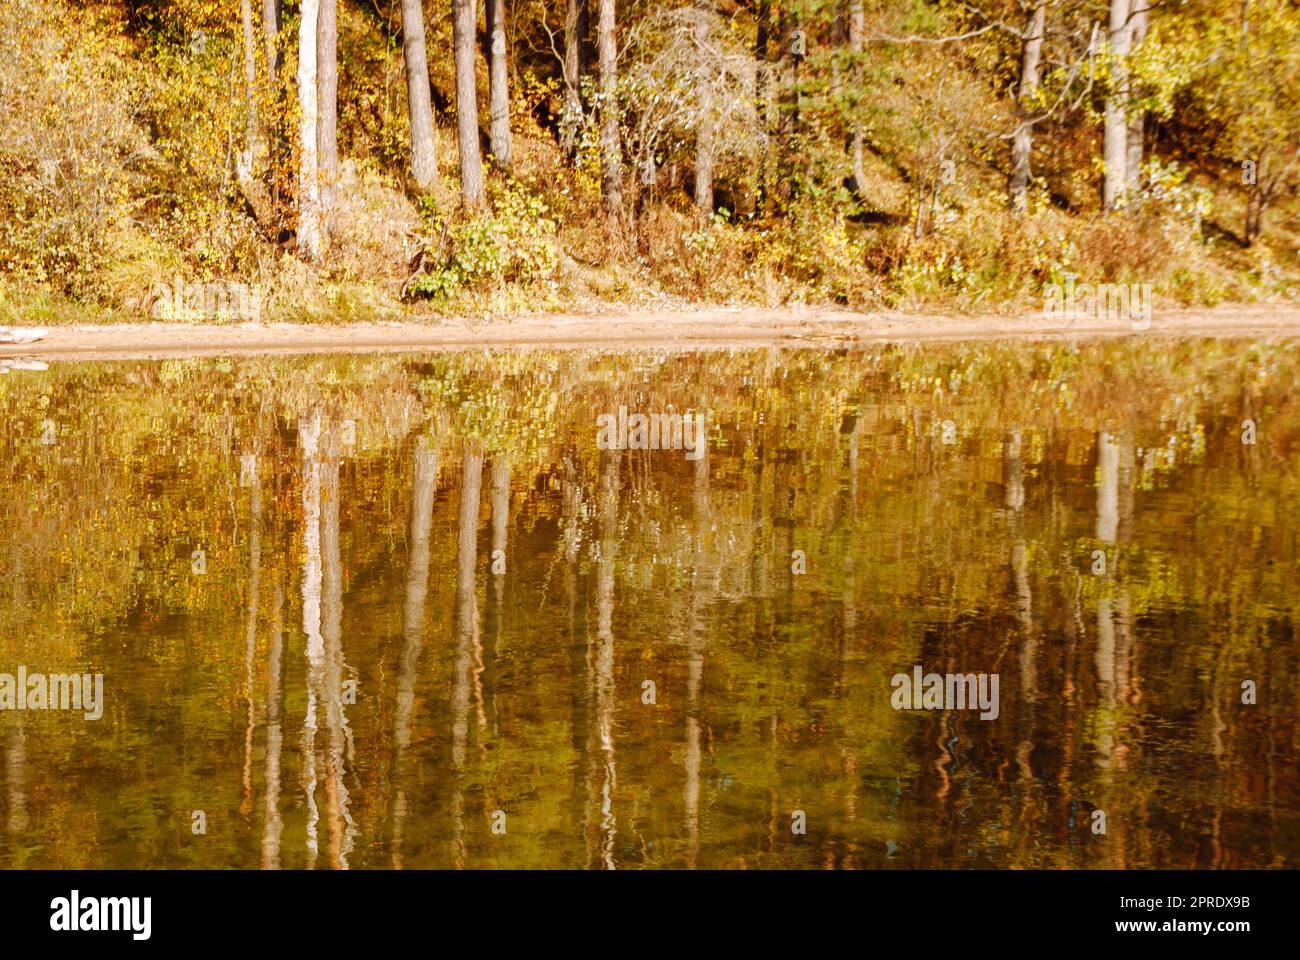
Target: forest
(360, 159)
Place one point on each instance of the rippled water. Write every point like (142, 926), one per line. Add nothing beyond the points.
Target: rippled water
(403, 611)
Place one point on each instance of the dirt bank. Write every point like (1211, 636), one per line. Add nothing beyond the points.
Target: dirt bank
(691, 329)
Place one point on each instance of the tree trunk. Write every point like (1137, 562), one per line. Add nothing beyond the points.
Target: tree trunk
(1254, 212)
(788, 110)
(1031, 53)
(271, 21)
(571, 121)
(424, 157)
(498, 83)
(1115, 143)
(309, 239)
(705, 131)
(857, 27)
(471, 162)
(1137, 118)
(705, 156)
(327, 87)
(762, 84)
(611, 161)
(252, 145)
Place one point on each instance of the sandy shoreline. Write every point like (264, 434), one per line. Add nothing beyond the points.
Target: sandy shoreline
(677, 328)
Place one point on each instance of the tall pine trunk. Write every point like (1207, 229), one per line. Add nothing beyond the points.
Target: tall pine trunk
(471, 161)
(498, 83)
(419, 105)
(1022, 143)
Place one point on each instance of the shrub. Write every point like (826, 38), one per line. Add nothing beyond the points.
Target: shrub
(514, 243)
(70, 147)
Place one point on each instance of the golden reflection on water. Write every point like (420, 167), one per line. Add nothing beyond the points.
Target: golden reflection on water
(403, 612)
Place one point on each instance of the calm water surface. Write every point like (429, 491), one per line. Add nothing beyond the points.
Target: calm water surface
(402, 611)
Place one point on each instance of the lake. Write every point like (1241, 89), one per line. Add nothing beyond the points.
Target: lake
(413, 611)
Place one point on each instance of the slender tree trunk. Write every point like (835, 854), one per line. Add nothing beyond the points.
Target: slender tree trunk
(424, 157)
(471, 162)
(787, 115)
(1137, 118)
(1022, 144)
(857, 28)
(706, 129)
(498, 83)
(705, 162)
(271, 21)
(309, 239)
(1115, 143)
(327, 85)
(252, 141)
(611, 161)
(762, 85)
(572, 119)
(1254, 207)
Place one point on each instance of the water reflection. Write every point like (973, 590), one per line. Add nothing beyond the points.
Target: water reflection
(436, 626)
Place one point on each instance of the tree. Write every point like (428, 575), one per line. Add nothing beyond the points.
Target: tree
(706, 124)
(309, 228)
(1022, 143)
(251, 139)
(498, 89)
(1258, 90)
(271, 21)
(693, 105)
(857, 27)
(1241, 102)
(1137, 116)
(762, 97)
(327, 85)
(424, 157)
(1115, 131)
(471, 161)
(611, 160)
(571, 119)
